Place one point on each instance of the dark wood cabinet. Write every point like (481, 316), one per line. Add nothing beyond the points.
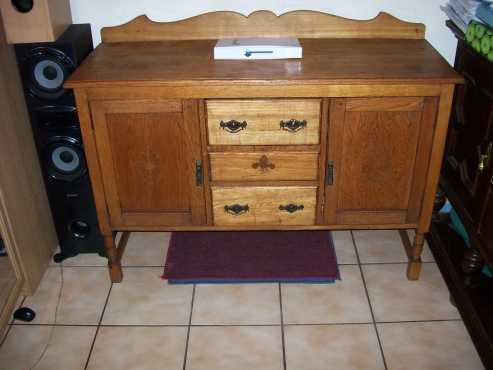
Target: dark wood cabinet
(468, 158)
(467, 181)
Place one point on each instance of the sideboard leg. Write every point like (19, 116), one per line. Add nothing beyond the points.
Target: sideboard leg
(114, 260)
(472, 263)
(414, 265)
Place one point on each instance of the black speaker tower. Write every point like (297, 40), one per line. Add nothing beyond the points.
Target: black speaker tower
(44, 68)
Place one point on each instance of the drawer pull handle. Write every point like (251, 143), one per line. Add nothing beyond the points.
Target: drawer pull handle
(293, 125)
(263, 164)
(484, 159)
(291, 208)
(236, 209)
(233, 126)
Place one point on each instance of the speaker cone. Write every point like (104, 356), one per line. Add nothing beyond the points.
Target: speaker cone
(23, 6)
(48, 69)
(64, 159)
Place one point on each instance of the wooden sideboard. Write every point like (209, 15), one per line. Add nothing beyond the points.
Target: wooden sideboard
(351, 136)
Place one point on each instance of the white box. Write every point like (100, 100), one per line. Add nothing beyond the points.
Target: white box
(258, 48)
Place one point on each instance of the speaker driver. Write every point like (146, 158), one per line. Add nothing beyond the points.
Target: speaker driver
(23, 6)
(64, 159)
(47, 70)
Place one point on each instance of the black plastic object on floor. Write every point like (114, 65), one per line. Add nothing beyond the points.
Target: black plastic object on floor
(24, 314)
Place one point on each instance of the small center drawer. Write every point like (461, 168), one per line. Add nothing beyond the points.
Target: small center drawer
(263, 122)
(264, 205)
(267, 166)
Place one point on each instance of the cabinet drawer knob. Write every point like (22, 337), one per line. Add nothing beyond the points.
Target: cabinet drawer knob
(233, 126)
(236, 209)
(291, 208)
(484, 159)
(263, 164)
(293, 125)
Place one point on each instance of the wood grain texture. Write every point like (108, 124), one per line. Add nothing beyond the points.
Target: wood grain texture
(262, 119)
(44, 23)
(325, 62)
(144, 179)
(26, 222)
(263, 203)
(375, 152)
(257, 89)
(302, 24)
(263, 166)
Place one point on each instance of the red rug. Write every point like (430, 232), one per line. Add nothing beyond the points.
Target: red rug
(251, 256)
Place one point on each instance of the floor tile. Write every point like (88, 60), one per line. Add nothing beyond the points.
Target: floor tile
(236, 304)
(344, 247)
(384, 246)
(85, 260)
(143, 298)
(235, 348)
(84, 294)
(343, 301)
(68, 349)
(341, 347)
(142, 348)
(394, 298)
(428, 346)
(146, 249)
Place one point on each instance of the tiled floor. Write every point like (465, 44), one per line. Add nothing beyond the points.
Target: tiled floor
(373, 319)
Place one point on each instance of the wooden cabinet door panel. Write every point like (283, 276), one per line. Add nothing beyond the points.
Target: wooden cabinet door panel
(148, 152)
(379, 149)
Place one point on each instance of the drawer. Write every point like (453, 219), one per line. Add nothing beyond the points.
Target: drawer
(263, 122)
(260, 166)
(264, 205)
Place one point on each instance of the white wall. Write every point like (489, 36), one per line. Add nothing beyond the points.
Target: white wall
(102, 13)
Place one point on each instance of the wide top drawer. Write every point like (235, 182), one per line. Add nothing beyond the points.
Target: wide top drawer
(263, 122)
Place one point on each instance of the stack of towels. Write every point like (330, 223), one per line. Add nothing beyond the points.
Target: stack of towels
(462, 12)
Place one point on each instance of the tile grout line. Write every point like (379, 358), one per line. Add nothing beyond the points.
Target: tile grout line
(9, 328)
(282, 330)
(189, 326)
(369, 302)
(98, 327)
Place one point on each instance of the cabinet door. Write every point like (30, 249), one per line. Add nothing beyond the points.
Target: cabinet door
(149, 152)
(378, 154)
(470, 138)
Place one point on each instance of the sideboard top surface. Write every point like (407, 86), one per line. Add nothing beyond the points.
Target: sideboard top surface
(326, 61)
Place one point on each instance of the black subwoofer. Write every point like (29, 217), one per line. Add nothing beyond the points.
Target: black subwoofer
(44, 69)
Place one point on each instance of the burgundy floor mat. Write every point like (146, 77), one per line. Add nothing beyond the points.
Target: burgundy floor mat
(251, 256)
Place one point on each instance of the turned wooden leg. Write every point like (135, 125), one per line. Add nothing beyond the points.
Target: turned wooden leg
(414, 265)
(114, 259)
(472, 262)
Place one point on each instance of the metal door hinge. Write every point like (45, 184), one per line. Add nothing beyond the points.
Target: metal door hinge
(199, 175)
(329, 177)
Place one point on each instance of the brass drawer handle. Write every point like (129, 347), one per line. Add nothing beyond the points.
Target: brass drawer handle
(291, 208)
(233, 126)
(484, 159)
(236, 209)
(263, 164)
(293, 125)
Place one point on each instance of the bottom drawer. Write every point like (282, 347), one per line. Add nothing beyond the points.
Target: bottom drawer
(264, 205)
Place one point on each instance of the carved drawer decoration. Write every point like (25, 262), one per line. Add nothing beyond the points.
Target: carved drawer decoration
(264, 166)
